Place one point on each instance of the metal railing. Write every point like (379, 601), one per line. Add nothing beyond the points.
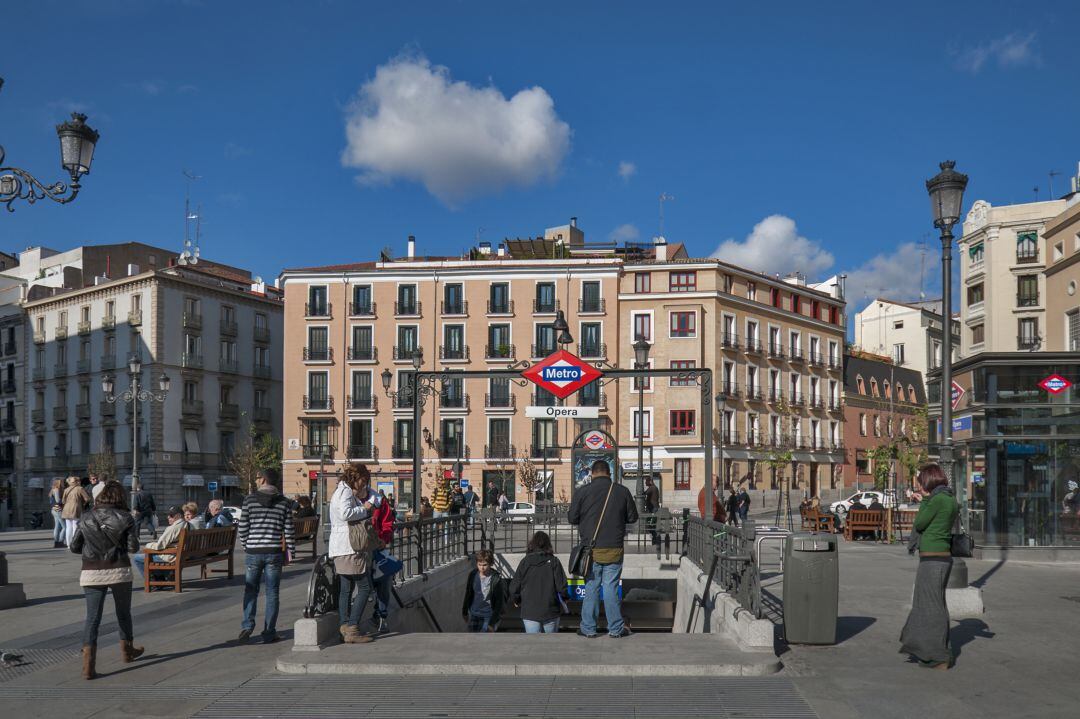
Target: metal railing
(500, 308)
(499, 400)
(318, 354)
(592, 306)
(499, 351)
(545, 307)
(449, 352)
(727, 554)
(408, 309)
(460, 307)
(363, 353)
(361, 309)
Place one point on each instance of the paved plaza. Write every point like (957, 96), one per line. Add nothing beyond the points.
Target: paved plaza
(1017, 661)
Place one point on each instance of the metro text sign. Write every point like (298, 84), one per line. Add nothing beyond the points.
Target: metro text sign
(561, 373)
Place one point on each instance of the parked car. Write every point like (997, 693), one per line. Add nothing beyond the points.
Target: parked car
(234, 512)
(519, 512)
(865, 499)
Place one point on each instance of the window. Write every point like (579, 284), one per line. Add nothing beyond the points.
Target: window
(752, 428)
(406, 300)
(499, 437)
(682, 365)
(545, 341)
(403, 437)
(453, 342)
(317, 391)
(590, 344)
(862, 465)
(874, 387)
(911, 394)
(682, 281)
(834, 315)
(360, 438)
(975, 294)
(453, 299)
(1027, 333)
(317, 441)
(84, 314)
(1073, 319)
(751, 334)
(136, 303)
(1027, 290)
(888, 390)
(318, 348)
(362, 347)
(730, 387)
(815, 310)
(1027, 247)
(191, 391)
(590, 297)
(318, 306)
(900, 393)
(108, 442)
(84, 350)
(545, 297)
(642, 327)
(898, 353)
(453, 393)
(776, 342)
(110, 309)
(361, 300)
(776, 430)
(889, 427)
(361, 391)
(751, 290)
(642, 282)
(1059, 251)
(774, 384)
(545, 438)
(451, 437)
(976, 337)
(898, 325)
(225, 394)
(729, 284)
(259, 398)
(877, 425)
(62, 322)
(643, 384)
(499, 341)
(682, 474)
(589, 395)
(796, 304)
(975, 254)
(406, 341)
(682, 422)
(499, 298)
(683, 324)
(862, 424)
(775, 298)
(795, 342)
(641, 421)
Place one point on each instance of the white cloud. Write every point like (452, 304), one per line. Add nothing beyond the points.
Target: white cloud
(413, 121)
(895, 276)
(624, 233)
(627, 170)
(1012, 50)
(775, 247)
(235, 150)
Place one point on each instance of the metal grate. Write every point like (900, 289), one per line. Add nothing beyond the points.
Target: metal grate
(34, 659)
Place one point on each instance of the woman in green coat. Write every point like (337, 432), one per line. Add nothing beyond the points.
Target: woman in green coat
(926, 634)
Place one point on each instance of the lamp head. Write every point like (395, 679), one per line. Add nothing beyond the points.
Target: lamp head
(946, 191)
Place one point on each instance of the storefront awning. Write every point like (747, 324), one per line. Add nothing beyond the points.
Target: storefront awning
(193, 480)
(230, 480)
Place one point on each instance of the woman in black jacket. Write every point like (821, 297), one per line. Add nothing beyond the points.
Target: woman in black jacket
(538, 587)
(105, 536)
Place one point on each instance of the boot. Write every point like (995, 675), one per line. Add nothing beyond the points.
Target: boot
(129, 652)
(89, 657)
(351, 635)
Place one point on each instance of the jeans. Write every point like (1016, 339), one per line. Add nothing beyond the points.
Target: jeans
(58, 527)
(255, 567)
(478, 622)
(70, 525)
(382, 595)
(551, 626)
(606, 576)
(148, 520)
(362, 584)
(95, 603)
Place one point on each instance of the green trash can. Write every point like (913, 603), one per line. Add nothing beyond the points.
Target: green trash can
(811, 588)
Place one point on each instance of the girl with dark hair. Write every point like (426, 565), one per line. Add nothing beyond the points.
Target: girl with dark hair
(104, 537)
(926, 634)
(538, 587)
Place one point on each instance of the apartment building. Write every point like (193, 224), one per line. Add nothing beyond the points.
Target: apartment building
(1003, 294)
(775, 347)
(347, 325)
(908, 332)
(1062, 235)
(882, 405)
(213, 331)
(12, 365)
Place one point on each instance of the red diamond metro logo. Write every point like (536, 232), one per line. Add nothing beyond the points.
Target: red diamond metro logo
(1055, 384)
(561, 373)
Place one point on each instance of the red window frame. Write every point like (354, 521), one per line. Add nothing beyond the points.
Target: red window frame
(834, 316)
(682, 364)
(682, 281)
(777, 300)
(682, 422)
(682, 473)
(682, 324)
(645, 319)
(642, 282)
(796, 303)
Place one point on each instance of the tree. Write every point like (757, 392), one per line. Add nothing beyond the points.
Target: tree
(528, 477)
(259, 451)
(881, 456)
(103, 465)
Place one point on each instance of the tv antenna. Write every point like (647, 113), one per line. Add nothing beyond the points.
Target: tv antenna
(1052, 174)
(922, 265)
(664, 197)
(1036, 191)
(190, 253)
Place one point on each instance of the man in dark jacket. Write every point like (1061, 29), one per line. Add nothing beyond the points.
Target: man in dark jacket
(266, 520)
(145, 509)
(606, 570)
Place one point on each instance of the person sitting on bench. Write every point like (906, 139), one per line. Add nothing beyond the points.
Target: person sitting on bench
(168, 538)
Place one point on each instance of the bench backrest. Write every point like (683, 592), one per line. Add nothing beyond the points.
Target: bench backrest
(194, 543)
(865, 516)
(305, 527)
(905, 517)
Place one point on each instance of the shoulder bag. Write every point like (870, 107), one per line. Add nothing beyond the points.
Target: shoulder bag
(362, 537)
(962, 545)
(581, 554)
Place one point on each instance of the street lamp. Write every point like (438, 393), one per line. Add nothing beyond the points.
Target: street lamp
(416, 390)
(946, 191)
(641, 362)
(77, 143)
(721, 400)
(562, 328)
(135, 394)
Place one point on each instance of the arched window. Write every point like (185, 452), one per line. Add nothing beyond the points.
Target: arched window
(911, 394)
(860, 384)
(888, 390)
(874, 387)
(877, 425)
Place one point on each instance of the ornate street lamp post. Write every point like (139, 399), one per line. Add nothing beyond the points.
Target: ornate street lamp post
(135, 394)
(641, 361)
(77, 143)
(417, 390)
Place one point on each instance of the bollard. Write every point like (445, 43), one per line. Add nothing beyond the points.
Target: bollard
(3, 569)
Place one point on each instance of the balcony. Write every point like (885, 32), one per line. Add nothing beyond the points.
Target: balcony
(1025, 342)
(453, 401)
(108, 362)
(228, 365)
(36, 463)
(9, 385)
(753, 346)
(835, 405)
(39, 337)
(776, 395)
(541, 351)
(545, 307)
(499, 450)
(404, 353)
(451, 448)
(408, 309)
(402, 400)
(796, 399)
(318, 403)
(592, 399)
(108, 322)
(546, 400)
(261, 414)
(82, 366)
(592, 350)
(796, 354)
(460, 308)
(728, 438)
(59, 414)
(192, 320)
(228, 410)
(776, 351)
(318, 309)
(318, 354)
(362, 353)
(61, 333)
(835, 363)
(595, 306)
(505, 352)
(191, 407)
(1027, 300)
(38, 373)
(506, 307)
(60, 370)
(401, 451)
(37, 416)
(262, 371)
(360, 451)
(815, 402)
(543, 452)
(135, 318)
(817, 360)
(9, 348)
(499, 400)
(452, 354)
(82, 411)
(836, 445)
(260, 334)
(363, 401)
(1027, 258)
(84, 327)
(362, 309)
(318, 451)
(227, 328)
(106, 409)
(754, 394)
(191, 459)
(729, 340)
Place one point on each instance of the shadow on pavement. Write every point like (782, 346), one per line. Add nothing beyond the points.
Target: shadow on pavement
(56, 598)
(149, 660)
(981, 581)
(848, 627)
(967, 631)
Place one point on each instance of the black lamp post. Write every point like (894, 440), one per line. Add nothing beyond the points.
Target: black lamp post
(416, 391)
(135, 394)
(721, 400)
(77, 143)
(562, 329)
(641, 361)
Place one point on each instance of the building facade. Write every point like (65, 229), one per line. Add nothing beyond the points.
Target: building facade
(908, 332)
(12, 396)
(216, 335)
(1062, 236)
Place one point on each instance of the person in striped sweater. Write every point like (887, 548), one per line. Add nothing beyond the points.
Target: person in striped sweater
(266, 520)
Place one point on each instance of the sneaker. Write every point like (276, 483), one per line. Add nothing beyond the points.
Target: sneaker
(587, 636)
(624, 633)
(245, 634)
(379, 625)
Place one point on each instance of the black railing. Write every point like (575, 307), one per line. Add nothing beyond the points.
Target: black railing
(499, 449)
(363, 401)
(362, 451)
(592, 306)
(754, 394)
(546, 399)
(315, 451)
(816, 359)
(363, 353)
(541, 351)
(1027, 342)
(506, 307)
(401, 451)
(796, 399)
(776, 350)
(592, 349)
(538, 452)
(499, 400)
(499, 351)
(796, 354)
(449, 449)
(453, 353)
(406, 352)
(1024, 257)
(727, 554)
(362, 309)
(314, 309)
(318, 354)
(776, 395)
(753, 345)
(407, 309)
(545, 307)
(323, 403)
(454, 307)
(731, 390)
(402, 400)
(454, 400)
(1027, 300)
(594, 399)
(729, 340)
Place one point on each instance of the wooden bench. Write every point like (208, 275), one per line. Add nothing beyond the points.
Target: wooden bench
(815, 521)
(195, 547)
(863, 520)
(305, 529)
(903, 521)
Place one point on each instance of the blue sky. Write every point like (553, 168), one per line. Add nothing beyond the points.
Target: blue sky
(800, 137)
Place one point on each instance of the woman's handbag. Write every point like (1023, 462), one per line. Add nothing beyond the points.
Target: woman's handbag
(362, 537)
(581, 554)
(386, 564)
(962, 545)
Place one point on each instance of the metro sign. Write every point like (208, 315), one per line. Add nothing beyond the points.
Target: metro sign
(561, 373)
(1055, 384)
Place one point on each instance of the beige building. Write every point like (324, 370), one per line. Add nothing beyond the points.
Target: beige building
(1062, 236)
(1003, 293)
(908, 332)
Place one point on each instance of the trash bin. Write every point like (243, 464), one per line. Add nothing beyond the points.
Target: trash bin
(811, 588)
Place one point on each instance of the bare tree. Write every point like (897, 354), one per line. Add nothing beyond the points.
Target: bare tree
(103, 465)
(528, 477)
(259, 451)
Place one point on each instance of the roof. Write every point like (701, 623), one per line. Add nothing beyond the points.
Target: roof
(883, 371)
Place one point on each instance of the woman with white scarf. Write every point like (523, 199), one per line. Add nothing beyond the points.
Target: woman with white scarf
(354, 568)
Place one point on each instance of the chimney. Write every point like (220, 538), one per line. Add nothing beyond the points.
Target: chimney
(573, 222)
(485, 248)
(412, 247)
(659, 249)
(502, 250)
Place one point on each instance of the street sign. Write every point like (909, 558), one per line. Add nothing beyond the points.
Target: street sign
(597, 439)
(957, 394)
(1055, 384)
(562, 412)
(961, 424)
(561, 373)
(211, 486)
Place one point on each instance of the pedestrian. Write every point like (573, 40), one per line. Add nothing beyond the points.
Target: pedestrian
(926, 633)
(601, 510)
(265, 521)
(718, 514)
(56, 506)
(169, 538)
(76, 501)
(215, 516)
(105, 536)
(744, 504)
(96, 485)
(426, 510)
(538, 587)
(352, 502)
(652, 506)
(382, 521)
(440, 501)
(457, 501)
(491, 498)
(145, 512)
(504, 502)
(192, 516)
(304, 507)
(485, 595)
(732, 507)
